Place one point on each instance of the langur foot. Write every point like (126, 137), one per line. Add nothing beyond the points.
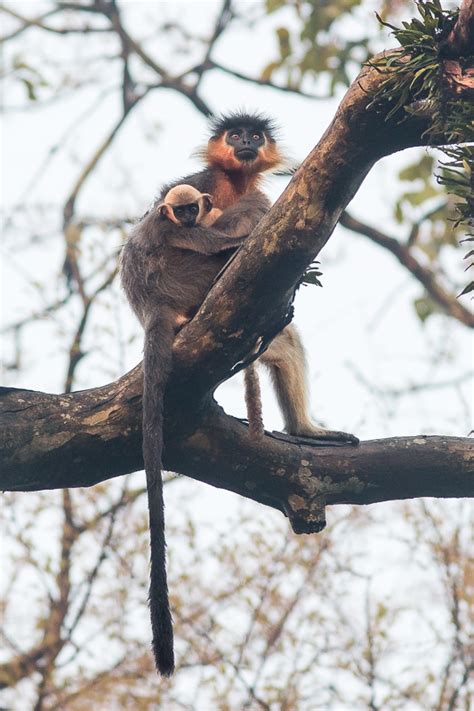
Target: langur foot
(319, 437)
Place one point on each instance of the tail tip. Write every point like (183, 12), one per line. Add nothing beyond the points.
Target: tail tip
(165, 666)
(164, 659)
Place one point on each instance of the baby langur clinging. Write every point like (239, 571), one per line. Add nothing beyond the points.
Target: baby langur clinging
(168, 265)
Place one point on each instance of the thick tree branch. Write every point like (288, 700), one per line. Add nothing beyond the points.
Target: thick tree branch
(54, 441)
(50, 441)
(275, 256)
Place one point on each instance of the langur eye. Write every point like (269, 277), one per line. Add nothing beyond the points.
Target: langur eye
(257, 136)
(235, 136)
(194, 209)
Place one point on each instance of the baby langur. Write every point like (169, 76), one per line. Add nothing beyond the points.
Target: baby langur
(168, 265)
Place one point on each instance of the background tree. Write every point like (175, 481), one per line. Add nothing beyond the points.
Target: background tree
(312, 613)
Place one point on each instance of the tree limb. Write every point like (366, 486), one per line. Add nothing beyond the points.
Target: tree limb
(458, 48)
(53, 441)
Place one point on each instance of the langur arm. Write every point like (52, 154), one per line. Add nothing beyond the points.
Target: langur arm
(203, 240)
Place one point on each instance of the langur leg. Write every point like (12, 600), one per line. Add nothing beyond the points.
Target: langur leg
(286, 361)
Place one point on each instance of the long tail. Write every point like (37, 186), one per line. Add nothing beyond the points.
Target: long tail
(157, 365)
(253, 400)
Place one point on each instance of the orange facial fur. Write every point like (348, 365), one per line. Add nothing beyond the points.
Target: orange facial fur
(268, 157)
(237, 177)
(218, 153)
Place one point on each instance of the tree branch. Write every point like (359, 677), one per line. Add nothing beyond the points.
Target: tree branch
(54, 441)
(458, 48)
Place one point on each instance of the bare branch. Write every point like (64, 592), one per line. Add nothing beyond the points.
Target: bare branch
(210, 64)
(425, 275)
(38, 22)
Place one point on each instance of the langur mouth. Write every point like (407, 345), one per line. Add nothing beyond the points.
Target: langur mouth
(246, 154)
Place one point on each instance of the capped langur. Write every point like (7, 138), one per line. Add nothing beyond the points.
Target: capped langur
(167, 269)
(241, 148)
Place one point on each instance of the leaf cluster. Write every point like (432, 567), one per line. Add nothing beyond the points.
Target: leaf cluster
(415, 83)
(317, 47)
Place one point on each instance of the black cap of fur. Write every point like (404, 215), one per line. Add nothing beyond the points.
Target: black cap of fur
(242, 119)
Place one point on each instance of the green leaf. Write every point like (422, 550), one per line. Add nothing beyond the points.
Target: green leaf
(421, 169)
(267, 72)
(274, 5)
(425, 307)
(467, 289)
(284, 42)
(30, 88)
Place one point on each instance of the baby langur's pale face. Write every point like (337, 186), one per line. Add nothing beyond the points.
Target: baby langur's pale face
(187, 214)
(187, 207)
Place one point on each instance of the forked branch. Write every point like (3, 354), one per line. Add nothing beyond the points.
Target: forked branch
(49, 441)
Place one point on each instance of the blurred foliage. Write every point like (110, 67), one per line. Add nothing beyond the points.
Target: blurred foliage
(415, 84)
(426, 208)
(425, 306)
(29, 76)
(328, 38)
(458, 177)
(264, 619)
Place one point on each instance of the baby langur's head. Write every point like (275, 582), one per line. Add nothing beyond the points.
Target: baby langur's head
(186, 206)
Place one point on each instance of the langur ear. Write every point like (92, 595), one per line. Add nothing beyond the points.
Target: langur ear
(207, 202)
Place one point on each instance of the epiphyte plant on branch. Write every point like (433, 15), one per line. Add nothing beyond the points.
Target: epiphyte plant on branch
(432, 74)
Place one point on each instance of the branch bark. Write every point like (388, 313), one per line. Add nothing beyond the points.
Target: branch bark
(460, 40)
(78, 439)
(458, 48)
